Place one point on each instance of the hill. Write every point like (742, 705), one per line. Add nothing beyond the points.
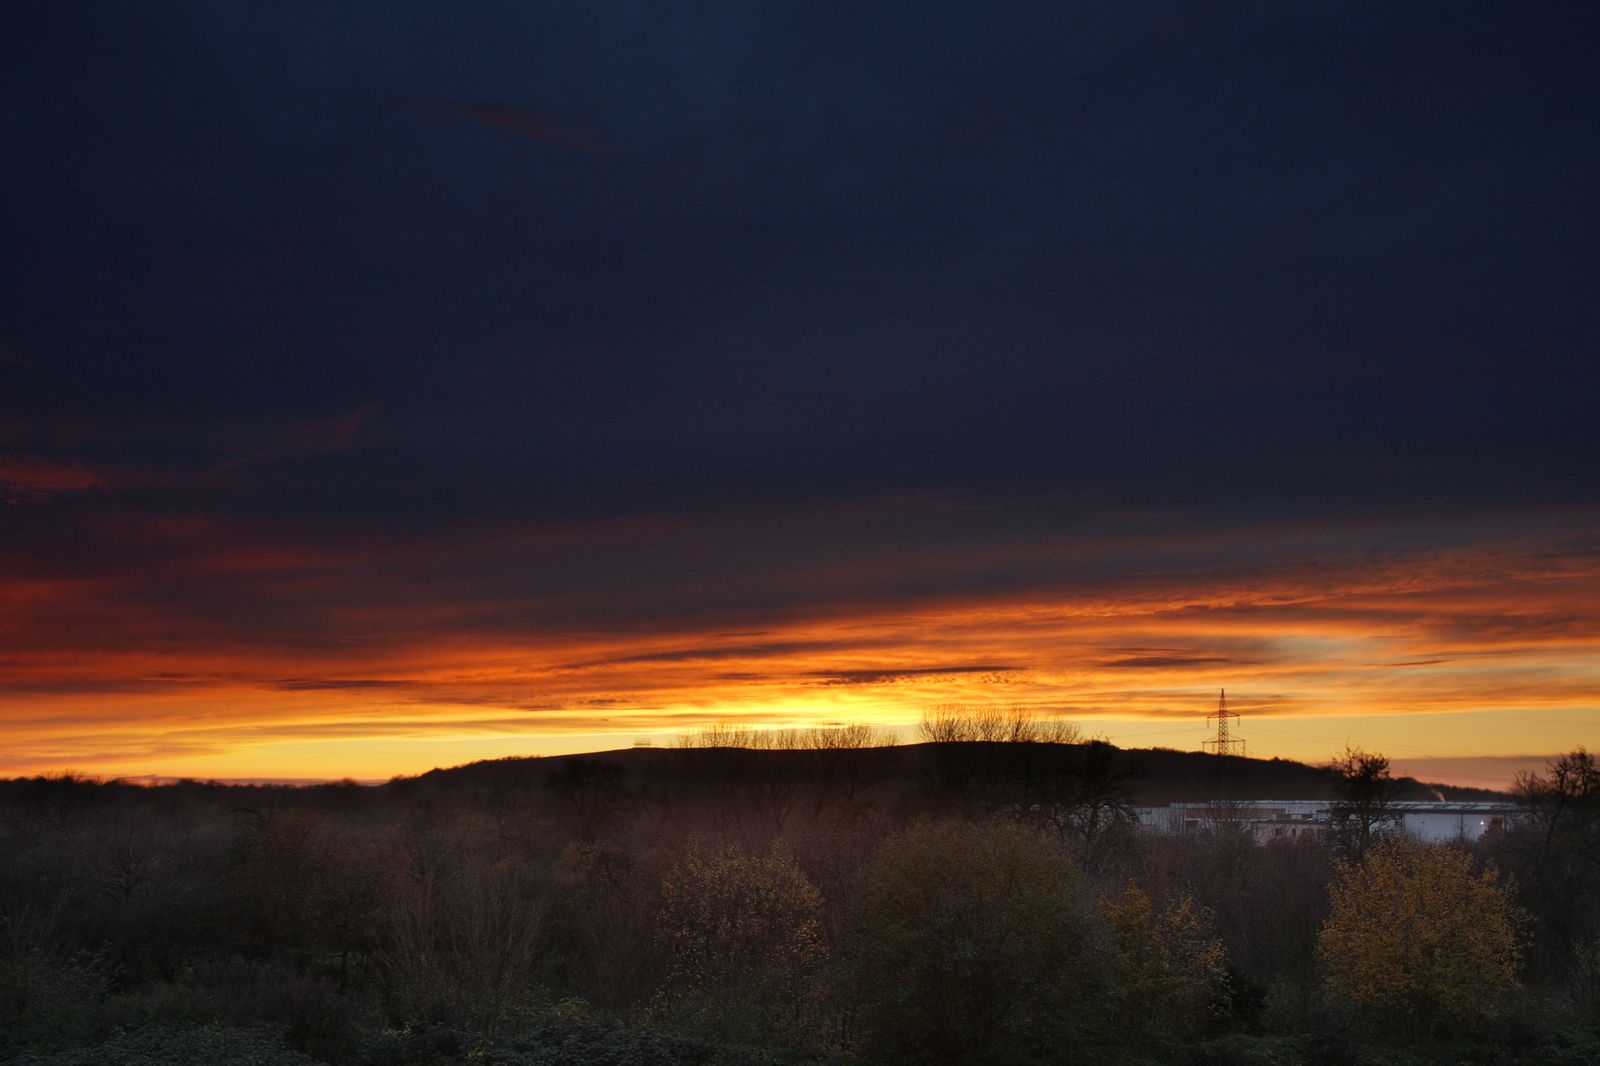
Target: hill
(1155, 776)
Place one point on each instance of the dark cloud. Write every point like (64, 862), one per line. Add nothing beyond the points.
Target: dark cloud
(890, 676)
(1171, 662)
(328, 684)
(714, 652)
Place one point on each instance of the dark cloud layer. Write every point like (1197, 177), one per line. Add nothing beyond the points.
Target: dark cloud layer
(1158, 252)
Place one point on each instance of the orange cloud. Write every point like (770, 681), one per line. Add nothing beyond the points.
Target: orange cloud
(1472, 651)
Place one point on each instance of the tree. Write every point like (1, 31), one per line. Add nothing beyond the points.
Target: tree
(987, 759)
(743, 937)
(1170, 968)
(971, 943)
(1555, 848)
(842, 763)
(1096, 801)
(1563, 804)
(955, 723)
(1366, 790)
(1416, 937)
(751, 772)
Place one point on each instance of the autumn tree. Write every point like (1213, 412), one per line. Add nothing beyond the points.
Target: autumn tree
(1170, 967)
(972, 943)
(743, 938)
(1417, 937)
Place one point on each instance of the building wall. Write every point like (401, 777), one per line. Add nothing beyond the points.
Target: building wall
(1269, 820)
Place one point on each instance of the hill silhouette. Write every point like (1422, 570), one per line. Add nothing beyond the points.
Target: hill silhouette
(1154, 776)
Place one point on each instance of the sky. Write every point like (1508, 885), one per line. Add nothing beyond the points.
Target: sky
(387, 386)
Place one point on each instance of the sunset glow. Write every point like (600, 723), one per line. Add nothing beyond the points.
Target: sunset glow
(1485, 653)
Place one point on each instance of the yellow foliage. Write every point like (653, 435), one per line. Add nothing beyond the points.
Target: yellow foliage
(743, 935)
(1416, 936)
(1171, 969)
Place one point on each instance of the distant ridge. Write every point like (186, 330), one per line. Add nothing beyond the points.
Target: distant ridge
(1160, 775)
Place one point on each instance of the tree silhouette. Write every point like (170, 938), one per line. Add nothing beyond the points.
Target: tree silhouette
(1366, 790)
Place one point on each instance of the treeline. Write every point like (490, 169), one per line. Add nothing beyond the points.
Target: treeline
(774, 902)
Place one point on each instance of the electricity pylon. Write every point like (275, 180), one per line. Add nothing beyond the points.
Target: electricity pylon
(1224, 743)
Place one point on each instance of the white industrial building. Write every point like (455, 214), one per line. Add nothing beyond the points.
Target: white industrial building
(1432, 820)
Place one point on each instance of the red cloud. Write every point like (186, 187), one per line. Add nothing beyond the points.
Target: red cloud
(28, 479)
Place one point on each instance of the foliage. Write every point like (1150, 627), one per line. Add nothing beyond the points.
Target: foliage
(604, 930)
(972, 943)
(1416, 937)
(743, 935)
(213, 1045)
(1170, 968)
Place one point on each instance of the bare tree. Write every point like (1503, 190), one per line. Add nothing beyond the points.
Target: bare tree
(842, 764)
(949, 723)
(1557, 848)
(987, 758)
(747, 772)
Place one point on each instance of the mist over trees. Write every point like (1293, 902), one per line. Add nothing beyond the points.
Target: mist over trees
(802, 896)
